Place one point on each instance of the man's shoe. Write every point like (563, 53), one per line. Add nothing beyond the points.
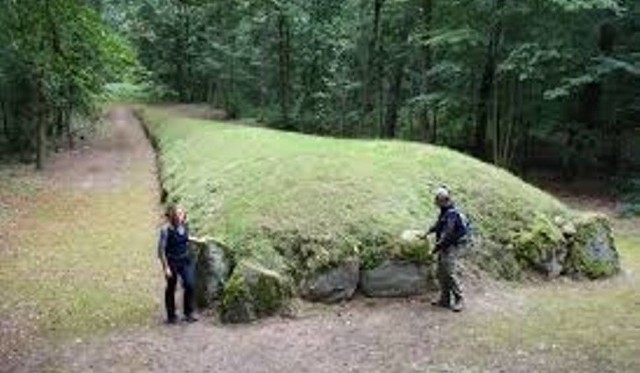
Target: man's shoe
(458, 305)
(440, 303)
(171, 320)
(190, 319)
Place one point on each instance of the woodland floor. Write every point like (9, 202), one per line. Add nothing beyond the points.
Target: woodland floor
(544, 327)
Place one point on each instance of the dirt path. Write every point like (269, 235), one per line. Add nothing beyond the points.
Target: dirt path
(363, 336)
(76, 244)
(110, 161)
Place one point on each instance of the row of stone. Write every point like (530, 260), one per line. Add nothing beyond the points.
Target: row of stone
(251, 291)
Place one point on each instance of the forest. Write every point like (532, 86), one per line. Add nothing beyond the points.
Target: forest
(533, 84)
(292, 165)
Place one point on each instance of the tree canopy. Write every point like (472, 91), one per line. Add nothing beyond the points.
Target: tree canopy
(517, 83)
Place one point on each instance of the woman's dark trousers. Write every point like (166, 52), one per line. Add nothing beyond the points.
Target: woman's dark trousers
(184, 269)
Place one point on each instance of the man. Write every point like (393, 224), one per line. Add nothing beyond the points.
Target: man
(452, 232)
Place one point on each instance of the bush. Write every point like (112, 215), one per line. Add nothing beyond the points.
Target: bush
(629, 193)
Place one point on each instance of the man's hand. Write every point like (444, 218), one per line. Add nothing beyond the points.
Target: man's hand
(167, 272)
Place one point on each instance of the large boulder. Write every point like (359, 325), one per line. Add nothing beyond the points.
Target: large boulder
(333, 284)
(395, 278)
(592, 251)
(403, 267)
(580, 247)
(212, 271)
(252, 292)
(542, 246)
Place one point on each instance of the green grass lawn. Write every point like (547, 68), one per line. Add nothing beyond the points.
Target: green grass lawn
(76, 262)
(239, 181)
(566, 326)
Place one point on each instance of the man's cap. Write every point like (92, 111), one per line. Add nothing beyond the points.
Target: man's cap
(442, 192)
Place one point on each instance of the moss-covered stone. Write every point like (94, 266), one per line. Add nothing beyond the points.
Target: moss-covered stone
(498, 261)
(213, 266)
(397, 266)
(541, 246)
(254, 291)
(410, 246)
(592, 251)
(237, 304)
(333, 284)
(308, 255)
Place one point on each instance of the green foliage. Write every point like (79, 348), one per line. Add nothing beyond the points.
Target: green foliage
(576, 5)
(134, 93)
(373, 254)
(628, 189)
(486, 76)
(60, 55)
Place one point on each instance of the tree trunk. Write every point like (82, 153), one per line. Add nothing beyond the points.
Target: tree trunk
(67, 127)
(284, 67)
(371, 86)
(427, 14)
(434, 127)
(5, 119)
(590, 97)
(486, 85)
(395, 88)
(59, 122)
(210, 92)
(394, 101)
(41, 126)
(190, 88)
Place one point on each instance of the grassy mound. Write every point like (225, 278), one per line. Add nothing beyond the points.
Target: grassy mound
(308, 203)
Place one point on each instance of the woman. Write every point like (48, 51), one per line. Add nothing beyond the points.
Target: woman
(173, 251)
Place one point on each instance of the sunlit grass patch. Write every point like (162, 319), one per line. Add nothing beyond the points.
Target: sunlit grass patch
(596, 322)
(81, 261)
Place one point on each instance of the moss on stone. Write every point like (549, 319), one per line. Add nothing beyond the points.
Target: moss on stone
(412, 250)
(270, 292)
(237, 304)
(537, 244)
(592, 251)
(254, 291)
(498, 261)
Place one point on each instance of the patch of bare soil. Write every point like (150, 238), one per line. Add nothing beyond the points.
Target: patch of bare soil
(102, 162)
(363, 336)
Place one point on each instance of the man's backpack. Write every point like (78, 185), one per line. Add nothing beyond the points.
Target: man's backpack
(464, 227)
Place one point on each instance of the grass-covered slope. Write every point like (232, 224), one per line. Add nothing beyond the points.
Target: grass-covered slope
(304, 202)
(236, 179)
